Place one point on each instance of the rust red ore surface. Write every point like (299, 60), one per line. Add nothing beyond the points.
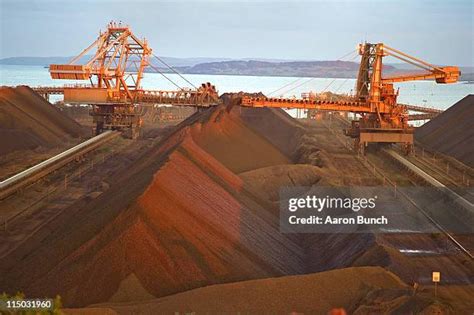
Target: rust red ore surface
(452, 132)
(179, 219)
(28, 121)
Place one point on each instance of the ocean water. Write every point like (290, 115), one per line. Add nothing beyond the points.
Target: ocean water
(424, 93)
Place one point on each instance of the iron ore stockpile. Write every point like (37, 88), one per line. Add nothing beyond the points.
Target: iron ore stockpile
(193, 224)
(30, 128)
(451, 132)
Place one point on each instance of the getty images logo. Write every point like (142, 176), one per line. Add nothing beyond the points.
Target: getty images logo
(320, 204)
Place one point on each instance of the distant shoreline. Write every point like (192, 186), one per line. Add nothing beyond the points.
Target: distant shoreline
(271, 69)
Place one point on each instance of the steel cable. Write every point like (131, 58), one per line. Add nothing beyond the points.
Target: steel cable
(157, 70)
(174, 70)
(311, 79)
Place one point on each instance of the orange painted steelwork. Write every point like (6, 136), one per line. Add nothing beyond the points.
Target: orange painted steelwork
(382, 118)
(115, 72)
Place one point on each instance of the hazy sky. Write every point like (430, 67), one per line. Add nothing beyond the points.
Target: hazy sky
(439, 31)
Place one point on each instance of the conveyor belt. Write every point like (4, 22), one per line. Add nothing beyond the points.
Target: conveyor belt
(32, 174)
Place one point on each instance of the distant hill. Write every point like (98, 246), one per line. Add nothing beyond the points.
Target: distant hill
(258, 67)
(45, 61)
(246, 66)
(173, 61)
(35, 61)
(326, 69)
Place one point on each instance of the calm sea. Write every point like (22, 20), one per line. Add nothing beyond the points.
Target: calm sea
(425, 93)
